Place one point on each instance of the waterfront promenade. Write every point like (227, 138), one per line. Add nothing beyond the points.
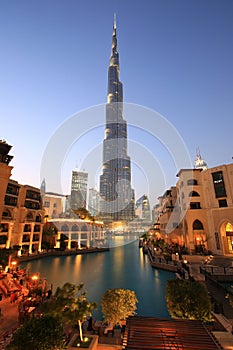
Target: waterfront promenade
(9, 320)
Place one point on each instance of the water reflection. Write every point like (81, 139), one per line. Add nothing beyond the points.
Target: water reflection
(122, 267)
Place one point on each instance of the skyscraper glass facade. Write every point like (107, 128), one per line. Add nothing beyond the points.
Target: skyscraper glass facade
(117, 195)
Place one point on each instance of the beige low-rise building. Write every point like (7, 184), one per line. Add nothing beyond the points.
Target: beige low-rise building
(201, 214)
(54, 204)
(21, 211)
(78, 233)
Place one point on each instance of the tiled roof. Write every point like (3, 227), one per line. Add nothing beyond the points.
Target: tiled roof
(144, 333)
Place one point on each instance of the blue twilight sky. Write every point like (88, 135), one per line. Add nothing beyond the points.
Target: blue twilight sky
(176, 57)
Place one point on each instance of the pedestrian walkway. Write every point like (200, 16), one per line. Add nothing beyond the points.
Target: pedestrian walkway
(8, 321)
(9, 315)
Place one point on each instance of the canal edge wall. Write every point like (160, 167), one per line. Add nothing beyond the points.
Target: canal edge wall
(61, 253)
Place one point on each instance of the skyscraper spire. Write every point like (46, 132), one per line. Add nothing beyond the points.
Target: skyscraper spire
(114, 24)
(115, 182)
(114, 60)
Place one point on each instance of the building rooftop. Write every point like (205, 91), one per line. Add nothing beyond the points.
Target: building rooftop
(160, 333)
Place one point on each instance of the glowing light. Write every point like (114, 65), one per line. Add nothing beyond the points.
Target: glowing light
(34, 277)
(229, 227)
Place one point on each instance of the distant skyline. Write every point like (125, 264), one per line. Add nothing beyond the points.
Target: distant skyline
(175, 58)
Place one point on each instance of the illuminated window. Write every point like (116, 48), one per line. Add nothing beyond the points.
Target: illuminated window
(229, 227)
(219, 186)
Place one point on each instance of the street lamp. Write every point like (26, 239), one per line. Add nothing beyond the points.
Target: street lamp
(34, 279)
(13, 264)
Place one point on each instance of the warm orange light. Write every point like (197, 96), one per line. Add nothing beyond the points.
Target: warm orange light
(13, 262)
(34, 277)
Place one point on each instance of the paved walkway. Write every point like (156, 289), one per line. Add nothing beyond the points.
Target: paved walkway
(8, 321)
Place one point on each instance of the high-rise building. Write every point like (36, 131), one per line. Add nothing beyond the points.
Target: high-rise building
(93, 202)
(117, 195)
(142, 209)
(78, 198)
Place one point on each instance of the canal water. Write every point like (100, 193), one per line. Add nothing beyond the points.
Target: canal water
(123, 266)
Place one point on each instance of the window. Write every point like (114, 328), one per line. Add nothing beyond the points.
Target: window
(217, 241)
(27, 228)
(12, 189)
(197, 225)
(12, 201)
(4, 228)
(37, 228)
(46, 204)
(192, 182)
(38, 218)
(194, 194)
(219, 186)
(222, 203)
(3, 239)
(35, 237)
(26, 238)
(195, 205)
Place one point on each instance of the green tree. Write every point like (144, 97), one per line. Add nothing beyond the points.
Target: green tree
(188, 299)
(4, 256)
(83, 213)
(39, 334)
(118, 304)
(49, 236)
(70, 304)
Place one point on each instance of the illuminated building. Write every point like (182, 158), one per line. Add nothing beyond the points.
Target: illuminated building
(198, 212)
(117, 195)
(78, 198)
(93, 202)
(22, 214)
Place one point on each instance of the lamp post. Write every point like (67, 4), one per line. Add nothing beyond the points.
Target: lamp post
(34, 279)
(13, 264)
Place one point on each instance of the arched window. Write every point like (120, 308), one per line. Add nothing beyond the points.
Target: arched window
(64, 228)
(84, 228)
(197, 225)
(194, 194)
(6, 213)
(74, 228)
(29, 217)
(229, 227)
(38, 218)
